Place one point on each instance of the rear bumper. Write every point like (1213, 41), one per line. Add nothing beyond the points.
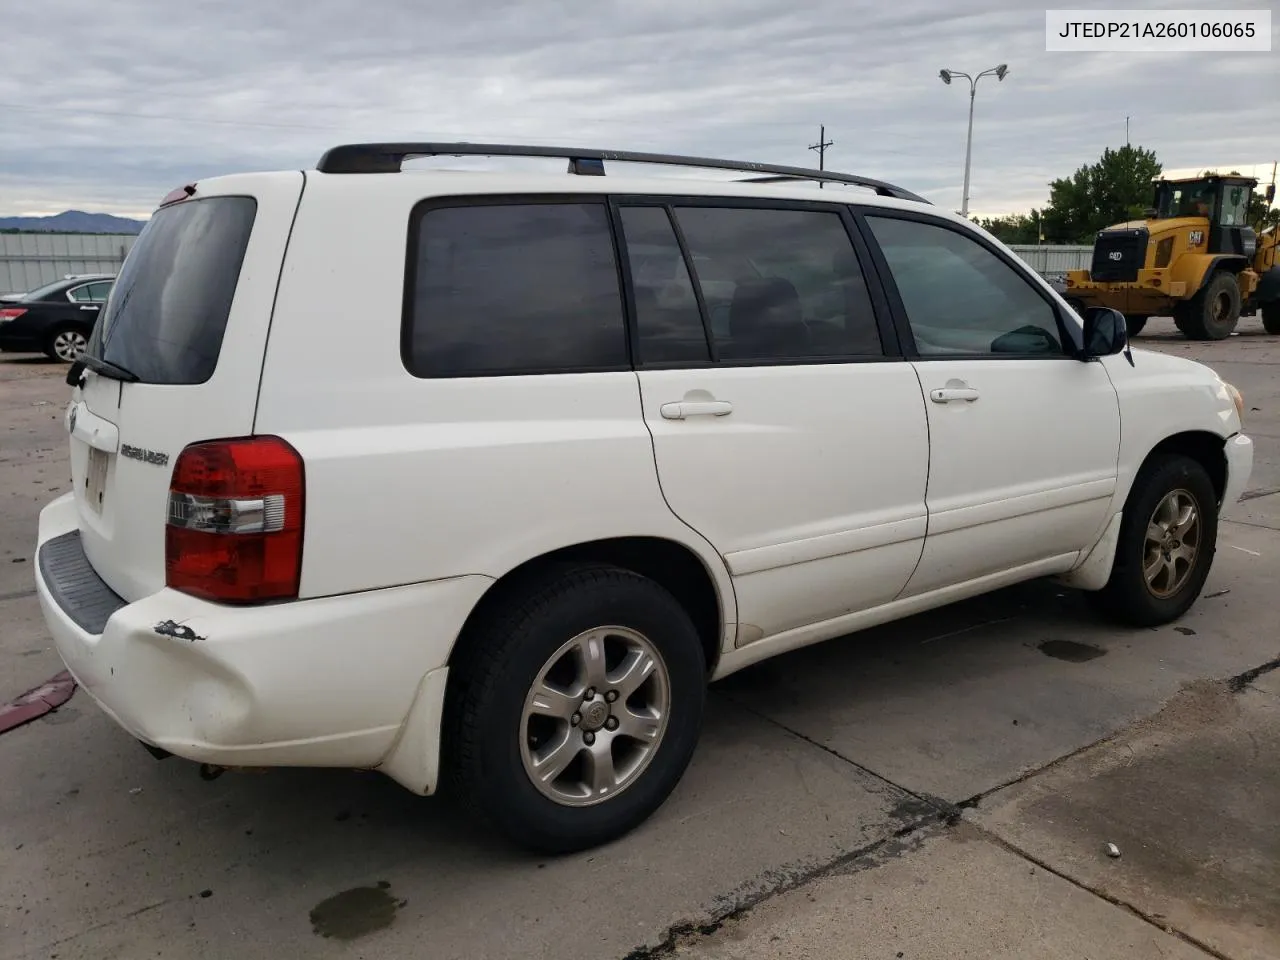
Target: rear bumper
(347, 681)
(19, 342)
(1239, 454)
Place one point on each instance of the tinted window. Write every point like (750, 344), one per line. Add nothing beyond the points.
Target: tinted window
(94, 292)
(167, 318)
(80, 294)
(960, 297)
(513, 288)
(779, 283)
(668, 324)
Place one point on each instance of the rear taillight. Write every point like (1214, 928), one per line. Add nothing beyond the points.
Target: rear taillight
(11, 313)
(234, 530)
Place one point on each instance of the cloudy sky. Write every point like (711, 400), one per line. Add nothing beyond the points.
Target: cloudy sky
(107, 107)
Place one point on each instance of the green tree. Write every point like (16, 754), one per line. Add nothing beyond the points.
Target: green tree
(1116, 189)
(1261, 213)
(1019, 228)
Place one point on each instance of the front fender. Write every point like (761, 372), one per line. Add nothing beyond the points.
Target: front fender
(1162, 396)
(1196, 269)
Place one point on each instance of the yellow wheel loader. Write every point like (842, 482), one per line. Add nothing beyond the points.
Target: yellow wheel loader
(1195, 258)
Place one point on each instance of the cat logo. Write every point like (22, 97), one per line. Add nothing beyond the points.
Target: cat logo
(1196, 238)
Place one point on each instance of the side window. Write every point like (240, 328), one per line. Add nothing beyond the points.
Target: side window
(79, 294)
(98, 292)
(500, 289)
(780, 283)
(668, 324)
(960, 297)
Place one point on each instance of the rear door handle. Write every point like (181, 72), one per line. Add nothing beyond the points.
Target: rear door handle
(88, 308)
(696, 408)
(947, 394)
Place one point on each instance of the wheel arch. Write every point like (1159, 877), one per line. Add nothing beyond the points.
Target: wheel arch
(1229, 263)
(1206, 448)
(673, 565)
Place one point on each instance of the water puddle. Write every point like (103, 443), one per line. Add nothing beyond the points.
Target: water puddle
(355, 913)
(1071, 651)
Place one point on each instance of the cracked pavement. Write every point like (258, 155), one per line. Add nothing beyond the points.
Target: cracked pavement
(942, 787)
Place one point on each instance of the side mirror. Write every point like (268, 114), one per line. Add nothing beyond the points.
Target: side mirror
(1105, 333)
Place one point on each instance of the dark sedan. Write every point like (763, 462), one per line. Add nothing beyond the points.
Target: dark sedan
(55, 319)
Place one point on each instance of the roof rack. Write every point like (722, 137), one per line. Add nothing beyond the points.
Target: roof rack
(388, 157)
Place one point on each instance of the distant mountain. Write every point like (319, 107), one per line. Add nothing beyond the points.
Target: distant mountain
(73, 221)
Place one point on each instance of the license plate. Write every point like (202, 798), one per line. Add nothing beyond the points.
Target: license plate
(95, 479)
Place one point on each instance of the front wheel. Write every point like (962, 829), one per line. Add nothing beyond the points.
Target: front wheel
(1271, 317)
(65, 344)
(1133, 325)
(1168, 535)
(1212, 314)
(574, 707)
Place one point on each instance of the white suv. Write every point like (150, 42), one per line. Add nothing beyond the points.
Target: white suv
(480, 477)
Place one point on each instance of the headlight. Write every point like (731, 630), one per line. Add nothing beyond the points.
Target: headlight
(1237, 399)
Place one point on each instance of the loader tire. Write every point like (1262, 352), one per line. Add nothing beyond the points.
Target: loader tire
(1212, 314)
(1271, 317)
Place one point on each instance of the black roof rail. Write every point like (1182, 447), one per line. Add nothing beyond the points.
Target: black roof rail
(388, 157)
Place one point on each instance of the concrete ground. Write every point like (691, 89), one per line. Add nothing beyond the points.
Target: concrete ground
(939, 788)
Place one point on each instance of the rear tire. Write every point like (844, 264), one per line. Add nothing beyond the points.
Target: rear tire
(1212, 314)
(1168, 535)
(541, 683)
(1133, 325)
(65, 343)
(1271, 317)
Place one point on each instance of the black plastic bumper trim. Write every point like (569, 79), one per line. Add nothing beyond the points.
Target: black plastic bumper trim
(75, 586)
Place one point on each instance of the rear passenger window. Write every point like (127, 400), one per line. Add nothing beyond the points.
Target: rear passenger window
(668, 323)
(779, 283)
(501, 289)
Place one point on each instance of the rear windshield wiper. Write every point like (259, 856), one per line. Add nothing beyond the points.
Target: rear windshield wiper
(98, 365)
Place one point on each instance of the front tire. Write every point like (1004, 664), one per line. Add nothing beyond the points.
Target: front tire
(574, 707)
(1168, 536)
(1133, 325)
(1271, 317)
(1212, 314)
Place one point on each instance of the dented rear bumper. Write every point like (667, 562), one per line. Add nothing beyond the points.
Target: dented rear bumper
(334, 681)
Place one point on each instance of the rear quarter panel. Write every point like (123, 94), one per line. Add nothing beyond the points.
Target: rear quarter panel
(410, 479)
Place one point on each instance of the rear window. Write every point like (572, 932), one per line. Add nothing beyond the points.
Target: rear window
(520, 288)
(168, 311)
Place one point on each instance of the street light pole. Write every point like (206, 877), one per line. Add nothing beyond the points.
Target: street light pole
(1000, 73)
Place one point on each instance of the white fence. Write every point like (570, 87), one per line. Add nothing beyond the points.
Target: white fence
(1053, 261)
(28, 260)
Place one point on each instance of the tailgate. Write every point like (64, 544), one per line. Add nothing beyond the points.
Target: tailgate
(188, 316)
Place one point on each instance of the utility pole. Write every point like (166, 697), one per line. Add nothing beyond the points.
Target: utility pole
(821, 147)
(1126, 131)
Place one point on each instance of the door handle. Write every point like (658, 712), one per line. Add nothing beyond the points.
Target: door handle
(88, 308)
(947, 394)
(696, 408)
